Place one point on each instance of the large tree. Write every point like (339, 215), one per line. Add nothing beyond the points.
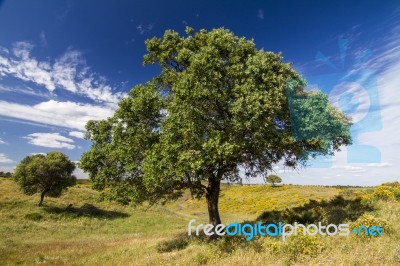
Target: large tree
(49, 174)
(218, 106)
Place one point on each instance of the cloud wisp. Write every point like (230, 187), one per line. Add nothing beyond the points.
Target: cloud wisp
(5, 159)
(260, 14)
(63, 114)
(77, 134)
(43, 39)
(143, 28)
(50, 140)
(24, 91)
(383, 64)
(68, 72)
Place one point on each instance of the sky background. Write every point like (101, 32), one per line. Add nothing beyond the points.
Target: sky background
(63, 63)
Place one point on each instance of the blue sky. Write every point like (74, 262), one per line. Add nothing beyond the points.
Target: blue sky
(63, 63)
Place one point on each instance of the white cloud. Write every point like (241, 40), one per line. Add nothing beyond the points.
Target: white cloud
(65, 70)
(4, 50)
(260, 14)
(4, 159)
(64, 13)
(64, 114)
(354, 169)
(68, 72)
(2, 141)
(142, 29)
(43, 39)
(385, 164)
(36, 153)
(50, 140)
(359, 95)
(23, 90)
(23, 67)
(385, 65)
(7, 168)
(22, 49)
(79, 173)
(77, 134)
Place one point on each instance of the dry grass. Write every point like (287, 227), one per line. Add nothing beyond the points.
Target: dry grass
(93, 232)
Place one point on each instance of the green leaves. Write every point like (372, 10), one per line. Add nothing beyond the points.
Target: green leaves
(315, 120)
(273, 179)
(50, 174)
(218, 105)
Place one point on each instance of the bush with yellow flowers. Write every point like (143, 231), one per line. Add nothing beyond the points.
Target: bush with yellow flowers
(384, 193)
(369, 220)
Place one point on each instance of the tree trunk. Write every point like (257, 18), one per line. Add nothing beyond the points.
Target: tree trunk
(41, 198)
(212, 197)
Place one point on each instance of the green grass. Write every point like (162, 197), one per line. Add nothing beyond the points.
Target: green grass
(91, 232)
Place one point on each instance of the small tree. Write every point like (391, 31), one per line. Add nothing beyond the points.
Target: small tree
(5, 174)
(48, 175)
(273, 179)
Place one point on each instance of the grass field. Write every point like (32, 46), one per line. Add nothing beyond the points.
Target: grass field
(93, 232)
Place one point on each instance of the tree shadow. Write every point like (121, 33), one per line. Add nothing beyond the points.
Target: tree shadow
(87, 210)
(276, 186)
(334, 211)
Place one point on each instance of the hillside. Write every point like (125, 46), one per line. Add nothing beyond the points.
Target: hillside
(92, 232)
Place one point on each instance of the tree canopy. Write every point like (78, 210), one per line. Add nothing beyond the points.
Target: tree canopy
(49, 174)
(273, 179)
(218, 106)
(5, 174)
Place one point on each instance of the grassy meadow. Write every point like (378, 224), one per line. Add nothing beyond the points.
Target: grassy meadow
(94, 232)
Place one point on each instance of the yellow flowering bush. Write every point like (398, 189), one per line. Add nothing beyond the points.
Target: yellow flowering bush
(369, 220)
(384, 193)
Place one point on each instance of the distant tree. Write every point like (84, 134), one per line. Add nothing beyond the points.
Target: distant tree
(5, 174)
(274, 179)
(49, 174)
(218, 106)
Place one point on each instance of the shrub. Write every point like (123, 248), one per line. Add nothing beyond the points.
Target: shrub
(367, 198)
(370, 220)
(207, 256)
(387, 191)
(303, 245)
(273, 245)
(171, 245)
(34, 216)
(384, 193)
(396, 255)
(348, 193)
(201, 259)
(295, 246)
(391, 184)
(229, 244)
(397, 194)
